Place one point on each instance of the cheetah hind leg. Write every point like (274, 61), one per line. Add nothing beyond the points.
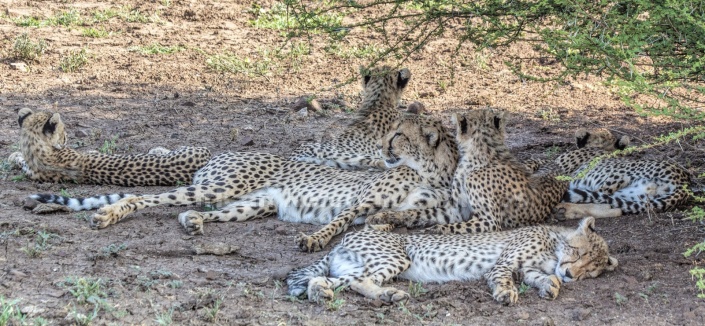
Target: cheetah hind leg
(239, 211)
(572, 211)
(369, 289)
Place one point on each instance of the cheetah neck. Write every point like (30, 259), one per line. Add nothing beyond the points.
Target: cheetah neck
(377, 113)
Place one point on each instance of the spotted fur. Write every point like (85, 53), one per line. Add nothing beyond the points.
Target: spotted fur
(631, 186)
(259, 184)
(545, 257)
(44, 156)
(491, 190)
(356, 148)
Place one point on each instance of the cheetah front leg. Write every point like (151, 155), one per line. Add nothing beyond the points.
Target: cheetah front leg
(318, 240)
(239, 211)
(571, 211)
(416, 218)
(480, 222)
(201, 193)
(500, 280)
(548, 284)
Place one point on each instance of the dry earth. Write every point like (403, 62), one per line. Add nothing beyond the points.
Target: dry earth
(146, 267)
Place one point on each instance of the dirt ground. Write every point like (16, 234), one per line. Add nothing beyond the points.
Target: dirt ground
(143, 271)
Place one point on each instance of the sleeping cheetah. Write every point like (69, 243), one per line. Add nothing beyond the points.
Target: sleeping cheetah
(262, 184)
(44, 156)
(630, 186)
(491, 190)
(356, 147)
(544, 257)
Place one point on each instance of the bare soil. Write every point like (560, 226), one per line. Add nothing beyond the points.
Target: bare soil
(146, 264)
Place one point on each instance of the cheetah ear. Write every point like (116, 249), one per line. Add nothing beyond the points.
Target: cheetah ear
(612, 264)
(403, 77)
(581, 137)
(23, 114)
(587, 225)
(50, 125)
(366, 75)
(622, 142)
(460, 122)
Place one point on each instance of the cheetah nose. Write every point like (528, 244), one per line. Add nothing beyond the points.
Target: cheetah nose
(568, 274)
(379, 146)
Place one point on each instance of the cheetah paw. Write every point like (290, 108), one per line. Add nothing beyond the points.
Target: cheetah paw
(310, 243)
(381, 218)
(550, 288)
(506, 295)
(391, 295)
(319, 289)
(379, 227)
(436, 229)
(192, 221)
(104, 217)
(16, 159)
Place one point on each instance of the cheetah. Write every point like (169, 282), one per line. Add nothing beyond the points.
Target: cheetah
(544, 256)
(491, 189)
(629, 186)
(355, 147)
(45, 156)
(261, 184)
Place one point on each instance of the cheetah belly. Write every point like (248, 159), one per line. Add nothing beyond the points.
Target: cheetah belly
(306, 210)
(451, 258)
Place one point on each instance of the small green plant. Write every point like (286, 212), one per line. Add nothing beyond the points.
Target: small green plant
(620, 299)
(548, 115)
(212, 312)
(66, 18)
(175, 284)
(85, 289)
(40, 244)
(65, 193)
(335, 303)
(82, 216)
(146, 283)
(95, 32)
(9, 312)
(552, 151)
(523, 287)
(234, 64)
(112, 249)
(109, 146)
(39, 321)
(85, 319)
(166, 3)
(165, 318)
(27, 50)
(698, 274)
(135, 16)
(105, 14)
(416, 289)
(156, 48)
(19, 178)
(278, 17)
(162, 273)
(74, 60)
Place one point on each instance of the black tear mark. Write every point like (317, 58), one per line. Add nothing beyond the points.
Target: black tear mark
(497, 120)
(463, 125)
(582, 141)
(49, 127)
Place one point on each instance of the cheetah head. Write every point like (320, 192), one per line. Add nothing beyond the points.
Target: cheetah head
(481, 133)
(600, 138)
(420, 143)
(383, 79)
(45, 127)
(585, 254)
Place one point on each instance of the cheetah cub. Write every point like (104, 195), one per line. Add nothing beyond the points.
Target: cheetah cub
(545, 257)
(355, 147)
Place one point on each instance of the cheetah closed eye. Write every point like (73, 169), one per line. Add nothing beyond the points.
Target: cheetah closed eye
(545, 256)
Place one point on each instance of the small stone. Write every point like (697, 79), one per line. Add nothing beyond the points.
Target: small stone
(428, 94)
(21, 66)
(283, 230)
(313, 105)
(212, 275)
(17, 274)
(303, 113)
(581, 314)
(416, 108)
(30, 203)
(214, 248)
(281, 272)
(247, 141)
(31, 311)
(234, 132)
(188, 103)
(80, 133)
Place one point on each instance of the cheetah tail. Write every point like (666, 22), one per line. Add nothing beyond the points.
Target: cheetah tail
(298, 279)
(80, 204)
